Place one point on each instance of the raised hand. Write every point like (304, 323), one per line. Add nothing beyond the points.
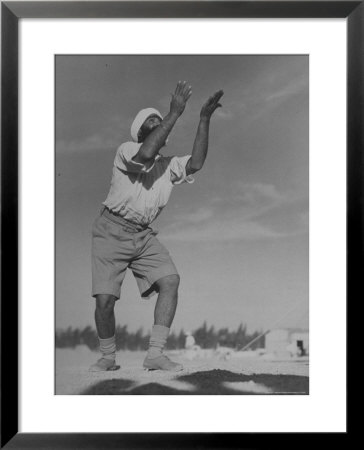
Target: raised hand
(211, 105)
(179, 99)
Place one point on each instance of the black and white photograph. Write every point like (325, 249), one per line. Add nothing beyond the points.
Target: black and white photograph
(182, 224)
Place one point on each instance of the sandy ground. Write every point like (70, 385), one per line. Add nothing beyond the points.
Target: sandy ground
(205, 374)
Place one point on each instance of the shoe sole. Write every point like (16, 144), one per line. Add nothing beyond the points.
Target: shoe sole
(150, 369)
(113, 368)
(106, 370)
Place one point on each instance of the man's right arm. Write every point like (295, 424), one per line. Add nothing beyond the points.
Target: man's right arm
(156, 139)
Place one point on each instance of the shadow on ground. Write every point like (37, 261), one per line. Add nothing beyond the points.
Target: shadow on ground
(212, 382)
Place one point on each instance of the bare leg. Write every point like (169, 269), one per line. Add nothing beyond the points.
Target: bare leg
(104, 315)
(105, 324)
(164, 312)
(166, 304)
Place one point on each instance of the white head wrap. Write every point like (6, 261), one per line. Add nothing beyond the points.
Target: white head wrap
(140, 119)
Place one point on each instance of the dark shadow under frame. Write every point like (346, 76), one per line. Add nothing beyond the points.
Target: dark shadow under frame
(11, 13)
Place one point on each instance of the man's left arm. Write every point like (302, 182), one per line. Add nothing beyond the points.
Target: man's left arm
(200, 146)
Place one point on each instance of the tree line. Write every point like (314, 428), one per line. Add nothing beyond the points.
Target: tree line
(205, 336)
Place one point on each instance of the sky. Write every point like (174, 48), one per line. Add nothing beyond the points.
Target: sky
(239, 234)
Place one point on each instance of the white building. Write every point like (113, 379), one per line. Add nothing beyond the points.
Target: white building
(285, 342)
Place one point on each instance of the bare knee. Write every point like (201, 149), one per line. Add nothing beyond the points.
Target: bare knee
(105, 304)
(169, 283)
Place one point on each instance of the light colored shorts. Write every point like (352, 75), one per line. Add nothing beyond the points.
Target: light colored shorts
(114, 250)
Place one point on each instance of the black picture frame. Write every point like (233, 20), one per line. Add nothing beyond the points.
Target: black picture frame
(11, 13)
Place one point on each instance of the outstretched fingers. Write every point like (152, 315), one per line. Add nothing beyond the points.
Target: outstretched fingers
(188, 92)
(216, 97)
(178, 88)
(215, 100)
(183, 89)
(211, 104)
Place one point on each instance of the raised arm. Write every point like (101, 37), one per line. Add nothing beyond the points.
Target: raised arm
(156, 139)
(200, 146)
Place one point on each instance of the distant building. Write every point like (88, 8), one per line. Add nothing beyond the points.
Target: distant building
(285, 342)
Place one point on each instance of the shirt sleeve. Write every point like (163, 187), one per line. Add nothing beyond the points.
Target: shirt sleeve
(178, 170)
(124, 158)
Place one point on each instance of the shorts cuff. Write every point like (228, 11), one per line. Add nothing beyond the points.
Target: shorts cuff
(147, 286)
(106, 288)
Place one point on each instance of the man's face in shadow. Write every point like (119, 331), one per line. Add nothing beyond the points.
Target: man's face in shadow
(150, 124)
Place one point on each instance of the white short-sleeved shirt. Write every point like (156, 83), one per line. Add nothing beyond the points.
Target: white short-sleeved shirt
(139, 192)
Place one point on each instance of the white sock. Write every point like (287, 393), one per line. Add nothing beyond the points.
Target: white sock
(108, 348)
(157, 340)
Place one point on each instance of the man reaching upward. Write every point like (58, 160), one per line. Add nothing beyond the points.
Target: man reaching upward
(142, 181)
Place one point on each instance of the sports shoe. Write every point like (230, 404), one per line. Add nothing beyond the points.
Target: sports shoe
(161, 363)
(103, 365)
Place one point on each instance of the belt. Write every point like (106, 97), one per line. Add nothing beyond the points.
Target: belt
(126, 224)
